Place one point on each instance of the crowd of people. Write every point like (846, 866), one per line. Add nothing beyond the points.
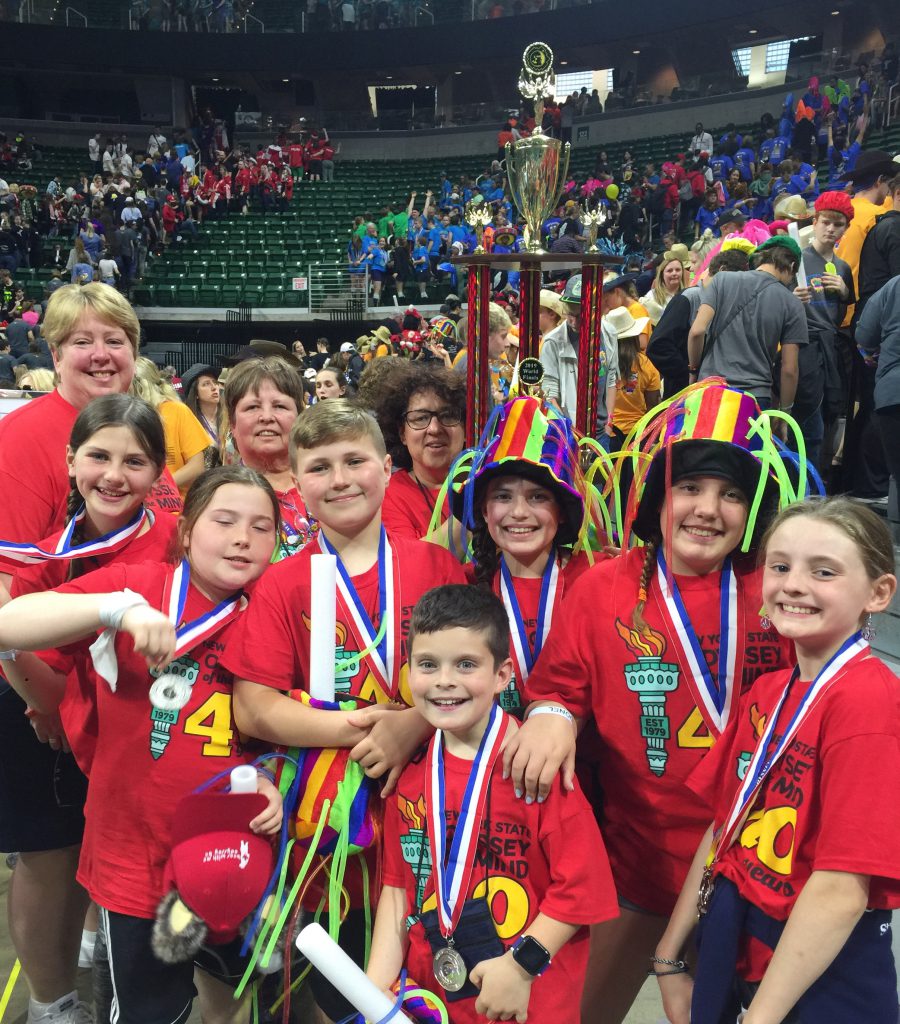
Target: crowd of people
(598, 688)
(577, 682)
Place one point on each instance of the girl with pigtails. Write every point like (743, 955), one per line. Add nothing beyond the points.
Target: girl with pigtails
(655, 648)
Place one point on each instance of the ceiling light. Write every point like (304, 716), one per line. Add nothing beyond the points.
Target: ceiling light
(285, 79)
(635, 51)
(389, 77)
(215, 79)
(563, 63)
(752, 32)
(457, 72)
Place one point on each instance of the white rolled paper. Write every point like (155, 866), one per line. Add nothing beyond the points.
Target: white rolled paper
(243, 779)
(327, 956)
(323, 587)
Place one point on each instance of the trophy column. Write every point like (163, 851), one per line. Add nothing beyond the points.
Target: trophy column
(478, 370)
(529, 309)
(591, 372)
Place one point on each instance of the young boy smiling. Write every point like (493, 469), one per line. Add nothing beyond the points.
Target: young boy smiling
(341, 470)
(456, 839)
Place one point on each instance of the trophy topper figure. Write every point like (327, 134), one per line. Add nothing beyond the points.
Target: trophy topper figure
(536, 166)
(478, 216)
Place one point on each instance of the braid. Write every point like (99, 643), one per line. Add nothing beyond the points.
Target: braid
(74, 501)
(637, 616)
(486, 555)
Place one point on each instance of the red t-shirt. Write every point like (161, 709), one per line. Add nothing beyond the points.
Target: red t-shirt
(407, 507)
(78, 708)
(648, 815)
(270, 645)
(545, 857)
(295, 155)
(825, 805)
(34, 480)
(528, 594)
(166, 755)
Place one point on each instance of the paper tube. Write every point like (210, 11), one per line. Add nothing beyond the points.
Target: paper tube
(243, 779)
(323, 577)
(328, 957)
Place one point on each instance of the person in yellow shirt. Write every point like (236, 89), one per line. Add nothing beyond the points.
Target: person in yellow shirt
(869, 178)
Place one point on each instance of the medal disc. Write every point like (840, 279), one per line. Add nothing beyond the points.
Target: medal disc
(450, 969)
(170, 693)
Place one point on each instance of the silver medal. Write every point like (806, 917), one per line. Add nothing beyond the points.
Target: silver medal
(450, 969)
(170, 692)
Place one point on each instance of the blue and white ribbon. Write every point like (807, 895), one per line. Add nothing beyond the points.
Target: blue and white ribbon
(65, 549)
(762, 762)
(523, 654)
(453, 869)
(379, 644)
(714, 695)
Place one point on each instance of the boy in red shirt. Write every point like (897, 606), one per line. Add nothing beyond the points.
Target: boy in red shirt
(524, 953)
(341, 470)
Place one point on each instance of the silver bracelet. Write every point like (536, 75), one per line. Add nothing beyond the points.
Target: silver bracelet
(552, 709)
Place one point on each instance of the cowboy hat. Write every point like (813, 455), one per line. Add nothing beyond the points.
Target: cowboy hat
(871, 163)
(624, 324)
(793, 208)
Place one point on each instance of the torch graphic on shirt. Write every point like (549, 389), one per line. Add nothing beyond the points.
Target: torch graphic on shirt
(168, 695)
(652, 680)
(346, 663)
(416, 850)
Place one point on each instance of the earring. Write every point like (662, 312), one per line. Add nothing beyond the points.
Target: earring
(764, 621)
(868, 630)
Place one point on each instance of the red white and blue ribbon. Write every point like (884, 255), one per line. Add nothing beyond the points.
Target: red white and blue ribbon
(65, 549)
(452, 869)
(523, 654)
(714, 695)
(379, 644)
(762, 761)
(189, 634)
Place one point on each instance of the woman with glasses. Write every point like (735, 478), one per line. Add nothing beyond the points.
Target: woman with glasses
(421, 411)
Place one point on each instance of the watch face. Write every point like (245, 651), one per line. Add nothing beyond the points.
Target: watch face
(531, 955)
(538, 59)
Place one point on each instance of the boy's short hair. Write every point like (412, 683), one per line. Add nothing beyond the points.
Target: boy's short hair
(334, 420)
(462, 606)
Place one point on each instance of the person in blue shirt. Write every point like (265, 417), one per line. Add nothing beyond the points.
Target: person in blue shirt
(745, 159)
(720, 164)
(421, 267)
(378, 261)
(708, 213)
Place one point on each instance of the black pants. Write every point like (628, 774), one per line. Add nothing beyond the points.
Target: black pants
(888, 420)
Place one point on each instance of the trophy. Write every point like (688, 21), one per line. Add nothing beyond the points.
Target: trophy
(478, 216)
(593, 219)
(536, 166)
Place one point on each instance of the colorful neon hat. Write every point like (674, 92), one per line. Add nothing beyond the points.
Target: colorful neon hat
(710, 429)
(524, 441)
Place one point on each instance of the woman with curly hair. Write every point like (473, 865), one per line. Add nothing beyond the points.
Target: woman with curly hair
(421, 414)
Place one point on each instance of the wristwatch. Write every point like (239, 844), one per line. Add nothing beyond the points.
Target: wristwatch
(531, 956)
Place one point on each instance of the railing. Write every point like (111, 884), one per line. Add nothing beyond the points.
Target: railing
(72, 12)
(26, 12)
(253, 18)
(330, 291)
(893, 98)
(425, 13)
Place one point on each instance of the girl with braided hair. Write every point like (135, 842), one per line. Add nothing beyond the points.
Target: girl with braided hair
(654, 648)
(115, 455)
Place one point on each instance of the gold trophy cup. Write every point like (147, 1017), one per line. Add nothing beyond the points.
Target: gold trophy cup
(536, 166)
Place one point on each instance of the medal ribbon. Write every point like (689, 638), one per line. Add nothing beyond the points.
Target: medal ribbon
(65, 549)
(188, 635)
(525, 657)
(761, 764)
(452, 869)
(379, 645)
(714, 696)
